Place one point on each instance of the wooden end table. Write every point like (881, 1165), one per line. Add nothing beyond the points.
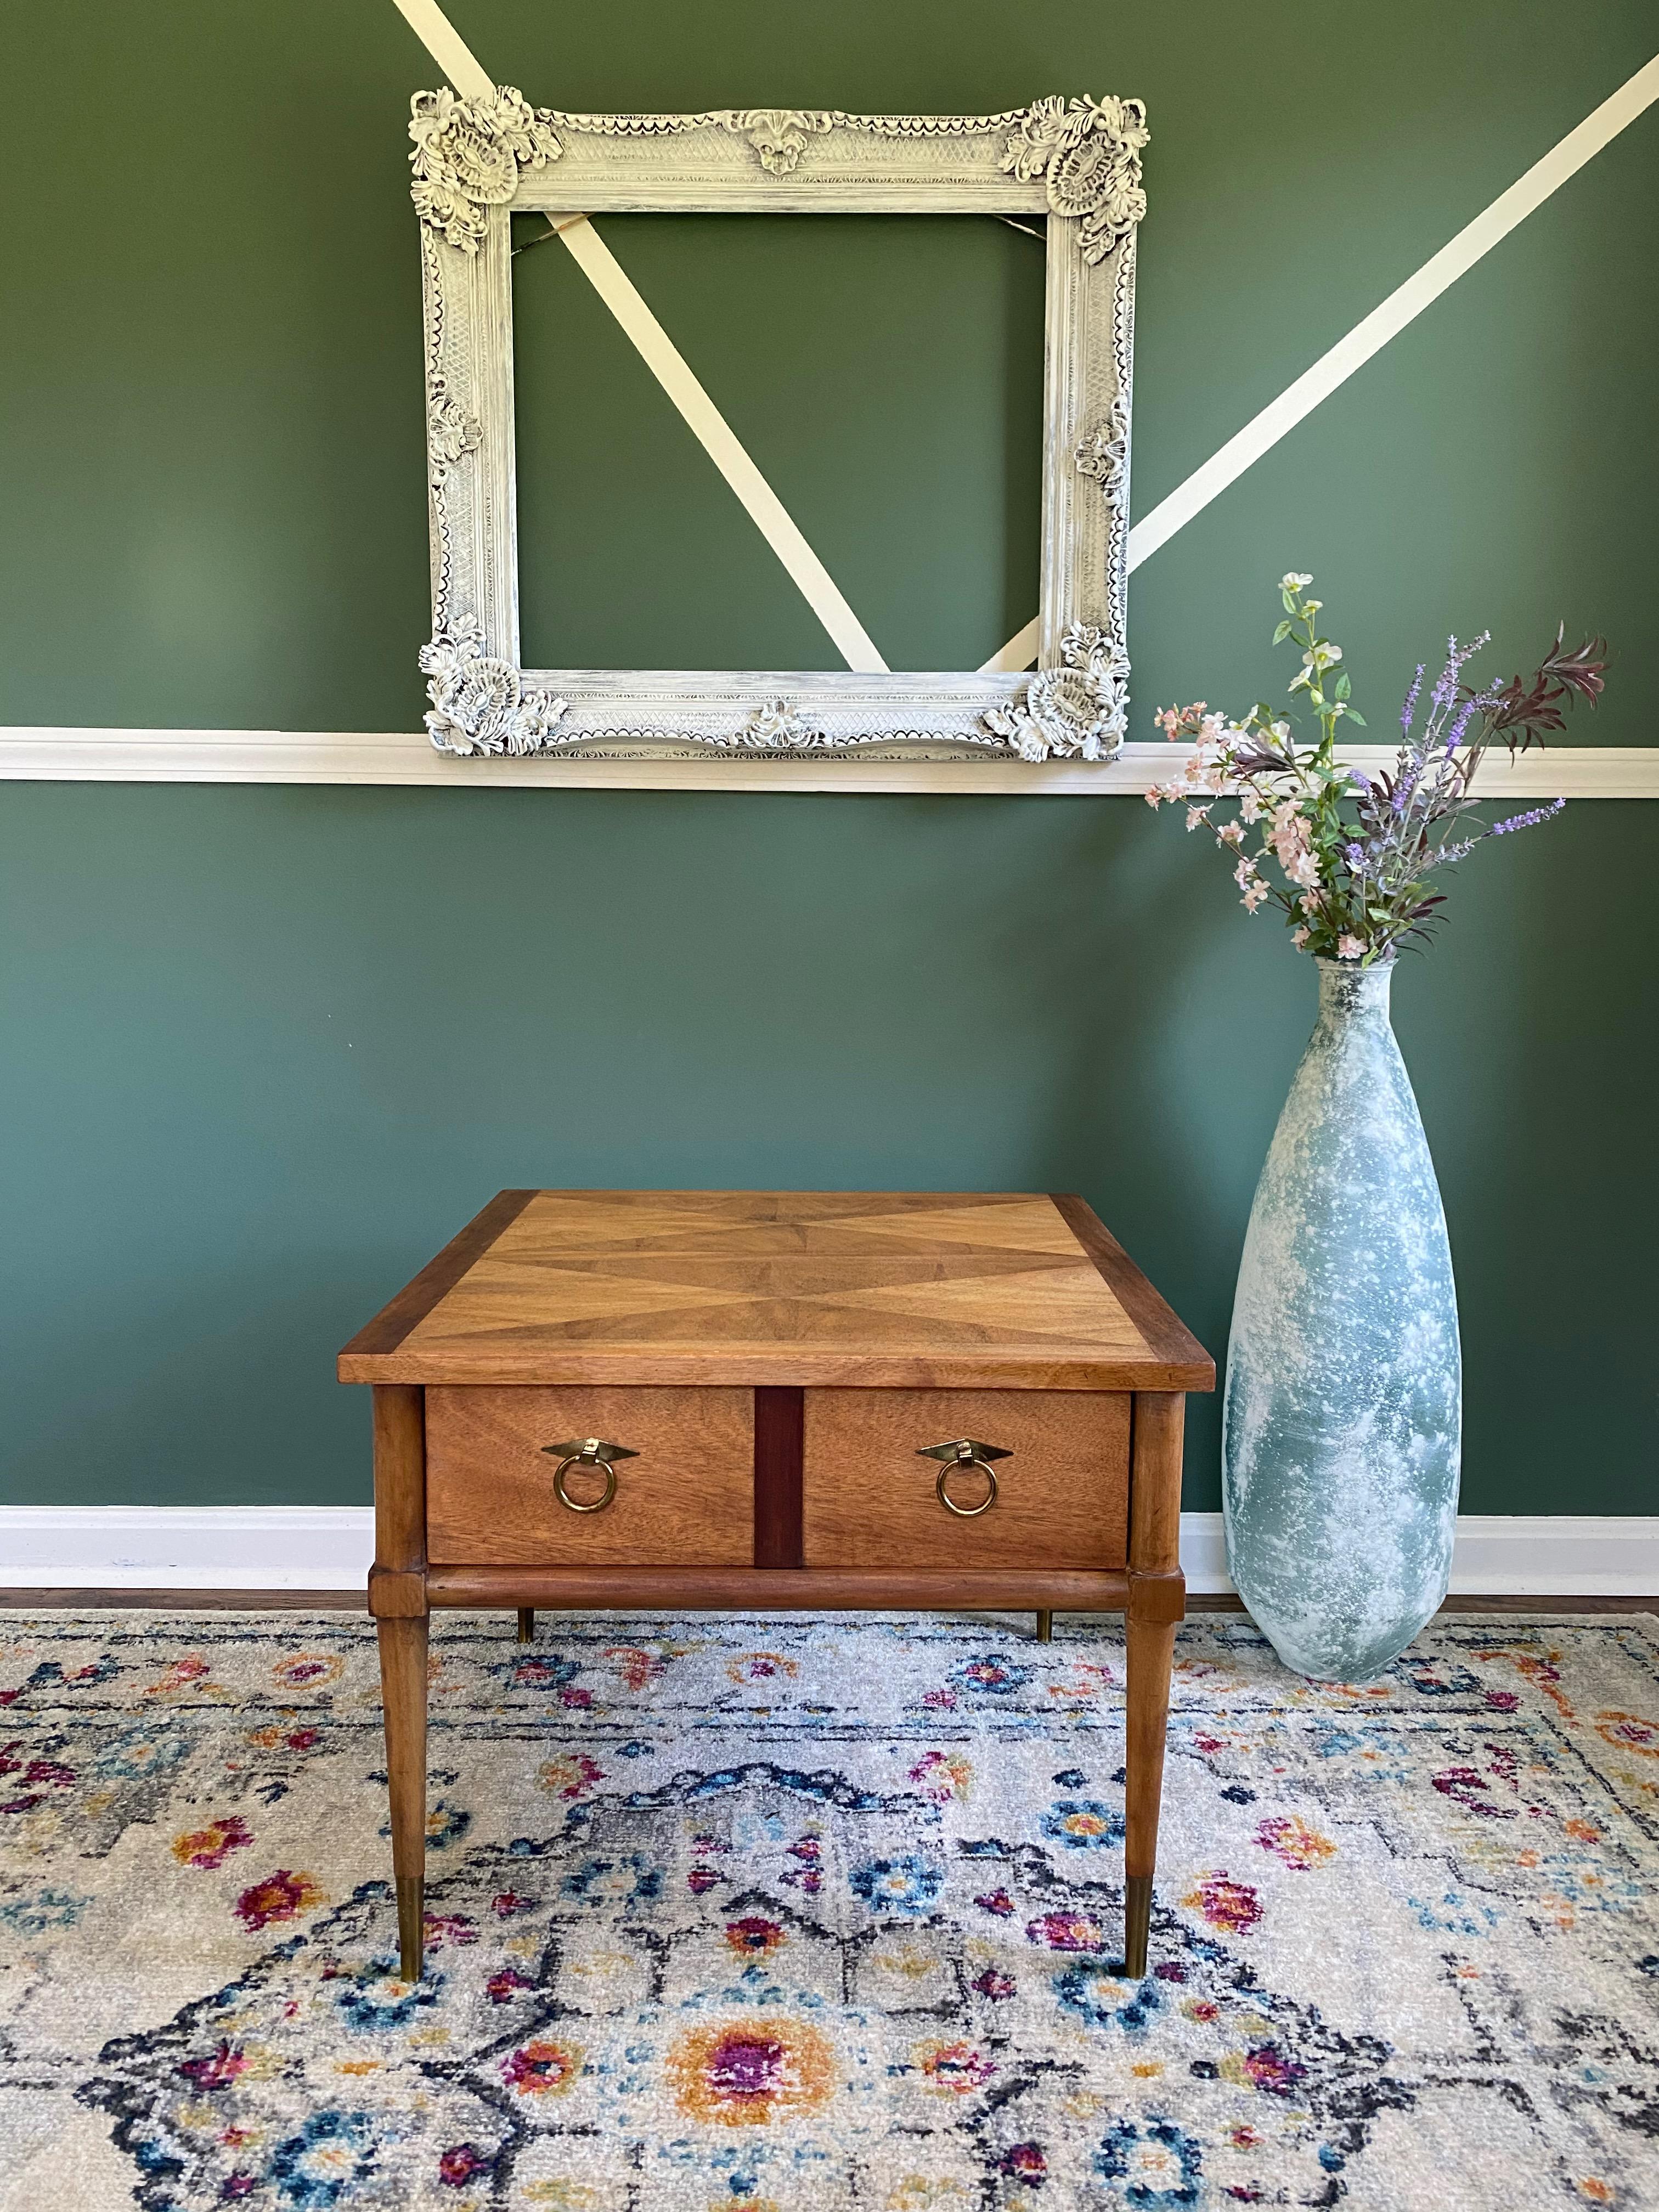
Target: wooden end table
(805, 1400)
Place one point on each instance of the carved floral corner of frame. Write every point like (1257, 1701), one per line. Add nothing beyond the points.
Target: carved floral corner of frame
(468, 153)
(1081, 707)
(478, 702)
(1088, 154)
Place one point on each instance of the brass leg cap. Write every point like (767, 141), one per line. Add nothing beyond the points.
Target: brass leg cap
(411, 1926)
(526, 1624)
(1045, 1627)
(1137, 1923)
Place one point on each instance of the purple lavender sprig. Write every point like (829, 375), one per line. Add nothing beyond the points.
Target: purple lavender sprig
(1408, 712)
(1525, 820)
(1418, 820)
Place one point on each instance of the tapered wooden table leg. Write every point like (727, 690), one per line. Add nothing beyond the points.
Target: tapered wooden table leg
(1158, 1598)
(397, 1597)
(402, 1689)
(1150, 1652)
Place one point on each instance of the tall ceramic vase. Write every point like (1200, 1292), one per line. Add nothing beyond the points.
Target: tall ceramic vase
(1343, 1408)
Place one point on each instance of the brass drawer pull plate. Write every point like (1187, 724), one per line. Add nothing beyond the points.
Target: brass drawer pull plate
(586, 1452)
(965, 1452)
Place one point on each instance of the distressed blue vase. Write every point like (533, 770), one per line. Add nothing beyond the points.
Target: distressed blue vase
(1343, 1414)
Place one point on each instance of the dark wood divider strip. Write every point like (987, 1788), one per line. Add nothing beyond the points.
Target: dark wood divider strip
(780, 1416)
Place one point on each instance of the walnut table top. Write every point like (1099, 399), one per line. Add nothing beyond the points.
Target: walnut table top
(879, 1288)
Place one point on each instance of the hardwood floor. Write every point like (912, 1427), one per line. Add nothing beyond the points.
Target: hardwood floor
(183, 1600)
(289, 1600)
(1226, 1602)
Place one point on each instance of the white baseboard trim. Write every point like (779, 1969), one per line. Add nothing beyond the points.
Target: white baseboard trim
(1499, 1554)
(323, 1547)
(1204, 1553)
(328, 1547)
(1569, 1554)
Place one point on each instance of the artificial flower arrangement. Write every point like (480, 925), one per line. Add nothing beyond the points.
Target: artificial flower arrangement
(1358, 853)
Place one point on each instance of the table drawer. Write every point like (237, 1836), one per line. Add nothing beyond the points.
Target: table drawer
(1062, 1498)
(686, 1498)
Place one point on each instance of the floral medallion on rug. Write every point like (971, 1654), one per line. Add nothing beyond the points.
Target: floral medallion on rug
(787, 1915)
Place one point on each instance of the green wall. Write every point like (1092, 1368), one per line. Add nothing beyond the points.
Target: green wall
(262, 1049)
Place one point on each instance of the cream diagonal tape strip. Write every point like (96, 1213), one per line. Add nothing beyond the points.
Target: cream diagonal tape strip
(765, 509)
(1454, 259)
(1020, 652)
(446, 47)
(663, 358)
(1401, 307)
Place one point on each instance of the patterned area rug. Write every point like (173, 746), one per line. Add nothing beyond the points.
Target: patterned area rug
(762, 1915)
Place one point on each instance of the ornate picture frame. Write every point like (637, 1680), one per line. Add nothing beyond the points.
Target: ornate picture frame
(1074, 163)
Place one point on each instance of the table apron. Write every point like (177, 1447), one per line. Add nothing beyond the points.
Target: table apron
(781, 1589)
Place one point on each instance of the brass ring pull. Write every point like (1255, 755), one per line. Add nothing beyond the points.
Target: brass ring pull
(967, 1512)
(580, 1459)
(965, 1452)
(589, 1451)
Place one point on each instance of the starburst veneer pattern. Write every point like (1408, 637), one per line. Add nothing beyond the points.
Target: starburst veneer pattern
(909, 1291)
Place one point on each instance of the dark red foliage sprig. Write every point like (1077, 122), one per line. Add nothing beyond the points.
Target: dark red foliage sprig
(1523, 715)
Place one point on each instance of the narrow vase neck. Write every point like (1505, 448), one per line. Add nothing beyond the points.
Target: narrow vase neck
(1347, 991)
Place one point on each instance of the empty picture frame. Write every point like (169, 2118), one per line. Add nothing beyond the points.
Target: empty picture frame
(1075, 163)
